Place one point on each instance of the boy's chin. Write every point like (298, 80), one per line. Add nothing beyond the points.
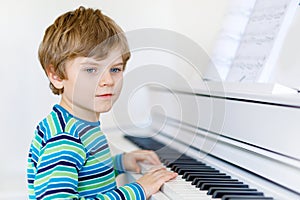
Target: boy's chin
(103, 110)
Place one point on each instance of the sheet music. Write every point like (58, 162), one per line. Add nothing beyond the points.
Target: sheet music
(259, 40)
(234, 25)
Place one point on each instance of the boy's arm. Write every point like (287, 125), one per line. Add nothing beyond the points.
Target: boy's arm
(57, 172)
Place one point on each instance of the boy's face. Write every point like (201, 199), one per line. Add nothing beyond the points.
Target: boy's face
(92, 85)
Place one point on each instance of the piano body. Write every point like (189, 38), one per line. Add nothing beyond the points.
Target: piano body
(250, 139)
(243, 137)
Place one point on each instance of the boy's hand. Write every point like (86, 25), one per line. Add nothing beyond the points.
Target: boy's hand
(153, 180)
(130, 160)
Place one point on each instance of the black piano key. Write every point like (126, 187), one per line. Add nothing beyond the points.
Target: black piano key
(204, 180)
(173, 158)
(233, 184)
(145, 143)
(242, 197)
(177, 160)
(194, 168)
(221, 193)
(165, 159)
(235, 187)
(187, 162)
(207, 186)
(191, 177)
(186, 175)
(201, 183)
(182, 171)
(177, 167)
(173, 154)
(187, 166)
(167, 148)
(163, 151)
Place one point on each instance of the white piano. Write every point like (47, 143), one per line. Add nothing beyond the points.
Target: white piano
(250, 138)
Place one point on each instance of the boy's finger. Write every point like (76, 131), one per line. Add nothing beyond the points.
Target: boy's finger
(169, 175)
(157, 167)
(151, 157)
(155, 158)
(164, 175)
(150, 168)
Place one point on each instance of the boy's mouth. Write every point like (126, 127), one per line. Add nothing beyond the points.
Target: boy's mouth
(105, 95)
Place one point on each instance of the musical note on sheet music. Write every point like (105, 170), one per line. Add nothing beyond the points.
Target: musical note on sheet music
(258, 40)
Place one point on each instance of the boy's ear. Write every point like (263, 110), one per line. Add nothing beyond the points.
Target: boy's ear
(54, 78)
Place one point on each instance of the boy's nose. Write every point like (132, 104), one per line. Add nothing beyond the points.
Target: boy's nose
(106, 79)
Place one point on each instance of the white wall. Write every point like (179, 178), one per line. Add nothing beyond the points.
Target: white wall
(25, 97)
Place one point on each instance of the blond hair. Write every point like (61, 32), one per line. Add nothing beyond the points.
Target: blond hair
(82, 32)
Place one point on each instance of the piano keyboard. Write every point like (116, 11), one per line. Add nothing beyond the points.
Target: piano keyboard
(195, 180)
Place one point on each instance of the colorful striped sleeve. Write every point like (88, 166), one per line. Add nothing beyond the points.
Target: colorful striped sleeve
(131, 191)
(118, 164)
(56, 177)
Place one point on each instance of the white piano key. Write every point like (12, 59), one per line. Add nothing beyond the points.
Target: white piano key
(159, 196)
(186, 189)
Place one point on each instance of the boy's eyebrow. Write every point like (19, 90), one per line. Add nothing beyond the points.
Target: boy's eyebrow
(89, 63)
(96, 64)
(117, 64)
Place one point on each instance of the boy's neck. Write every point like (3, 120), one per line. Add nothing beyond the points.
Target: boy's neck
(79, 112)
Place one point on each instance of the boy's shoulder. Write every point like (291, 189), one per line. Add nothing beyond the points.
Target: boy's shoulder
(56, 122)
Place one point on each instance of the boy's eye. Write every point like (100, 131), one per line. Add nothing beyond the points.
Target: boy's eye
(90, 70)
(115, 70)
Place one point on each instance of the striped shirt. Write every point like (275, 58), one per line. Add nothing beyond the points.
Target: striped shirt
(69, 158)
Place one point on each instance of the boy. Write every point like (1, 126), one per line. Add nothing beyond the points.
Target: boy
(84, 54)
